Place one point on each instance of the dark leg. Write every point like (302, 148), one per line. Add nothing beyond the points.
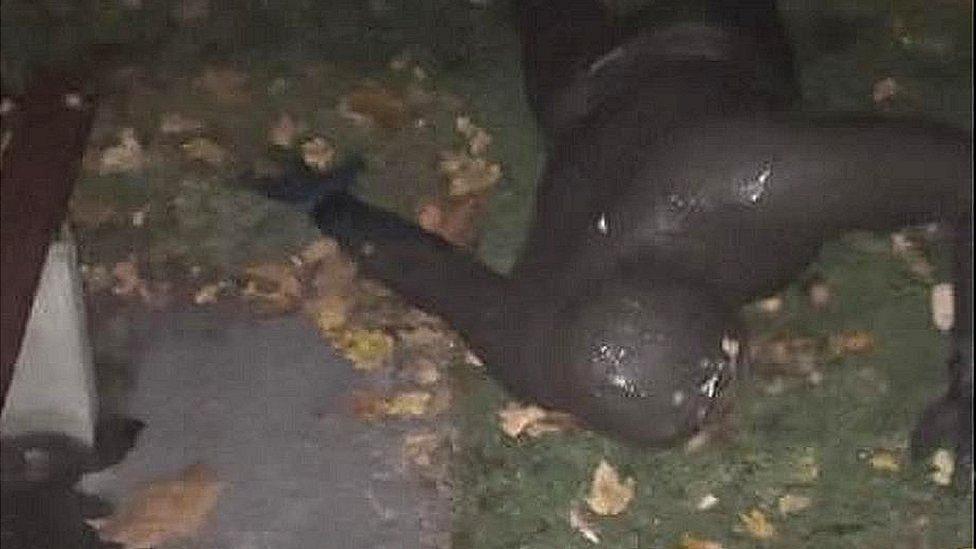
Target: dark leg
(560, 38)
(425, 269)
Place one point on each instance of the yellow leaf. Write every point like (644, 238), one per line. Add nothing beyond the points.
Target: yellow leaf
(367, 349)
(885, 460)
(608, 495)
(689, 541)
(409, 403)
(757, 525)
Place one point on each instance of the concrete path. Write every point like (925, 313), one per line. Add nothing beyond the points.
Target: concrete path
(262, 402)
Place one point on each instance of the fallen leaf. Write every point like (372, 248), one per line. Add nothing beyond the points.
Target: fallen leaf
(468, 175)
(943, 306)
(787, 354)
(885, 460)
(706, 502)
(125, 157)
(226, 85)
(329, 312)
(128, 281)
(164, 510)
(688, 541)
(579, 522)
(367, 106)
(205, 150)
(771, 305)
(275, 284)
(423, 371)
(408, 403)
(367, 349)
(207, 294)
(454, 219)
(418, 448)
(792, 503)
(478, 143)
(853, 342)
(368, 405)
(318, 154)
(608, 495)
(757, 525)
(175, 123)
(943, 465)
(515, 418)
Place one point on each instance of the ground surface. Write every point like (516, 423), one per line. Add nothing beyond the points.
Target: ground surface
(265, 405)
(814, 427)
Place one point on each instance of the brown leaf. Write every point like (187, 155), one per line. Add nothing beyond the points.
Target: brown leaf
(128, 281)
(164, 510)
(375, 106)
(608, 495)
(274, 284)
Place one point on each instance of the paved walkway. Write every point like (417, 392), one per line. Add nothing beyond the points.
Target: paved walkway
(262, 403)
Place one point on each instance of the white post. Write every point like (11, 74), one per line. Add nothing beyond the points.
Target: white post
(53, 386)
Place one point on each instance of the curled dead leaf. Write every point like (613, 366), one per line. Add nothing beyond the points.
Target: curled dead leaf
(608, 495)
